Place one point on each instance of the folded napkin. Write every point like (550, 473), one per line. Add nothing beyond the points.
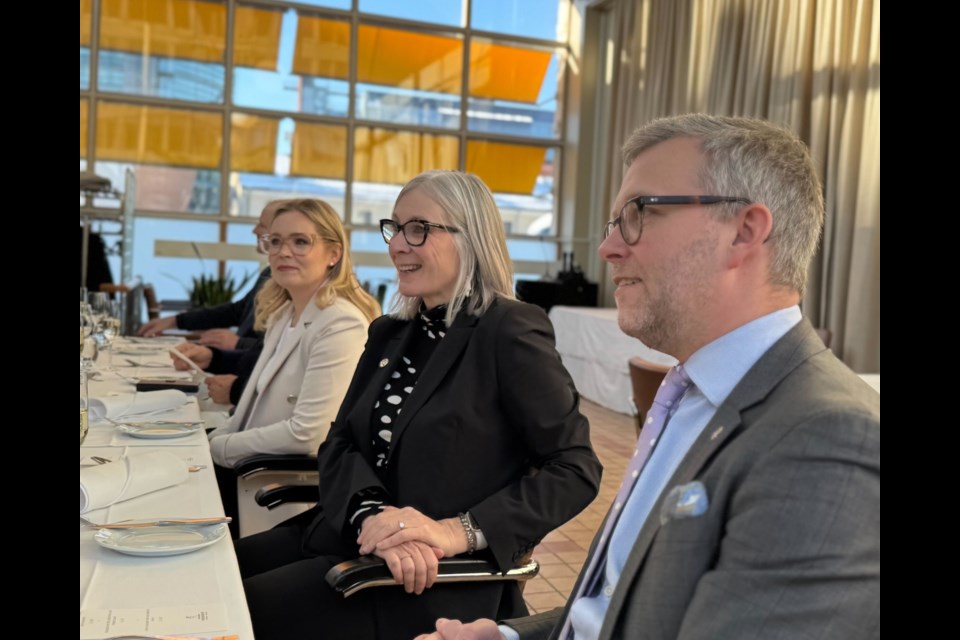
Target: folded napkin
(130, 404)
(129, 477)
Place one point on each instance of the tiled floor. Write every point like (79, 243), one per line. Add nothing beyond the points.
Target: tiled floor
(561, 554)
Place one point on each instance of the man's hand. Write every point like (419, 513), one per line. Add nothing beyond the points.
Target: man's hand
(200, 355)
(384, 530)
(482, 629)
(219, 387)
(157, 326)
(219, 338)
(413, 564)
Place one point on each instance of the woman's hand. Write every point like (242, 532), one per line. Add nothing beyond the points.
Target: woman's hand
(219, 338)
(201, 355)
(392, 527)
(219, 387)
(413, 564)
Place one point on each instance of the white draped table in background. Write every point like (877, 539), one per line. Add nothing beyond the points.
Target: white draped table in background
(208, 579)
(596, 353)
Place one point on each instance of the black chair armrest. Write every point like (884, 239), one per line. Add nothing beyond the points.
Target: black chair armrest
(267, 462)
(274, 494)
(352, 576)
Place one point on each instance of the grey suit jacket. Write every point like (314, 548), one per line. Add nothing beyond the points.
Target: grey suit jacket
(790, 544)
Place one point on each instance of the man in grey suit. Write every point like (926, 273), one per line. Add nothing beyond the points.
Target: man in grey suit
(757, 514)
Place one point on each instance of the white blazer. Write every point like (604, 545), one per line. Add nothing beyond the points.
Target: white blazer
(303, 388)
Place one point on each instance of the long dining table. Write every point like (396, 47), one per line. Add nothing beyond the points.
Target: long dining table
(199, 593)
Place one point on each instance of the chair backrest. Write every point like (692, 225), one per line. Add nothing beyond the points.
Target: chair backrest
(826, 335)
(645, 377)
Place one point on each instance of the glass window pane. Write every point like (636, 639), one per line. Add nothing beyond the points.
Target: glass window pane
(513, 90)
(163, 48)
(158, 135)
(86, 18)
(303, 67)
(408, 77)
(333, 4)
(164, 188)
(531, 18)
(521, 178)
(385, 156)
(377, 280)
(171, 277)
(449, 12)
(249, 192)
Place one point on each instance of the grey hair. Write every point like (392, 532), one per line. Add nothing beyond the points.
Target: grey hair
(762, 162)
(486, 272)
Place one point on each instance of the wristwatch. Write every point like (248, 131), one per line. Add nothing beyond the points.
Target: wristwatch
(470, 529)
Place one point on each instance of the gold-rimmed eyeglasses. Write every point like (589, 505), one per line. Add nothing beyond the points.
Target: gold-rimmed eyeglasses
(300, 243)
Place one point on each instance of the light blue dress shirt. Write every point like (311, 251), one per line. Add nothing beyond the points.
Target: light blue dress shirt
(715, 370)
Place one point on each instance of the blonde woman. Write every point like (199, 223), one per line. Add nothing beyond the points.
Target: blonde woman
(315, 316)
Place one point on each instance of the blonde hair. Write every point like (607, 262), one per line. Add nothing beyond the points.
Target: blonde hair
(486, 272)
(341, 281)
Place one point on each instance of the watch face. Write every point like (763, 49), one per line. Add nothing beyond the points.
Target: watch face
(473, 523)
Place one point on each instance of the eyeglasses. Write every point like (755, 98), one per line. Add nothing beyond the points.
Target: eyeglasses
(630, 219)
(300, 243)
(415, 232)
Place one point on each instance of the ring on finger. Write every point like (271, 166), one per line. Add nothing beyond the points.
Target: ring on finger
(401, 525)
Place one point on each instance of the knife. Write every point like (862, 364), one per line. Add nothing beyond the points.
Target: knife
(168, 522)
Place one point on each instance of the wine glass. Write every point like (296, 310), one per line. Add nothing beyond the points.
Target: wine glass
(88, 348)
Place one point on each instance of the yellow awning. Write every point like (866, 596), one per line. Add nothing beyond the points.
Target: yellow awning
(322, 48)
(86, 17)
(188, 29)
(319, 151)
(500, 72)
(253, 143)
(393, 157)
(409, 59)
(256, 37)
(156, 135)
(506, 168)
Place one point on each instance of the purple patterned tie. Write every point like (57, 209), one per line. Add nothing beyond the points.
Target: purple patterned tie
(673, 386)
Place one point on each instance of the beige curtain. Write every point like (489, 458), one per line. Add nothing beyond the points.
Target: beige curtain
(813, 65)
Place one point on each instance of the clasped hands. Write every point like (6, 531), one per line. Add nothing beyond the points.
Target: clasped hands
(411, 544)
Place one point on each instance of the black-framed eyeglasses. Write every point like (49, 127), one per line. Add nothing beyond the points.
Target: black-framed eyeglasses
(300, 243)
(631, 215)
(415, 232)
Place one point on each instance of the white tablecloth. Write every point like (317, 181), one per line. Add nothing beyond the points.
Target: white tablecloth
(210, 576)
(596, 353)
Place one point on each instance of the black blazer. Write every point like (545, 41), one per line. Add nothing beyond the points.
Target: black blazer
(493, 403)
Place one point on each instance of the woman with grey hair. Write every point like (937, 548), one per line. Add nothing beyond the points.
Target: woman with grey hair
(460, 433)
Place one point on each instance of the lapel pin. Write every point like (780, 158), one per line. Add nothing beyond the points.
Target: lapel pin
(383, 363)
(713, 436)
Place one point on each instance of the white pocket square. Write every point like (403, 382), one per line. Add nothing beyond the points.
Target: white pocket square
(684, 501)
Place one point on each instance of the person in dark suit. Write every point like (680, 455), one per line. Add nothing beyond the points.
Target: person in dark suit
(755, 512)
(461, 429)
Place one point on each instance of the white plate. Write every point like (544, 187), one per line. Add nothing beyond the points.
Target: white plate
(170, 540)
(160, 429)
